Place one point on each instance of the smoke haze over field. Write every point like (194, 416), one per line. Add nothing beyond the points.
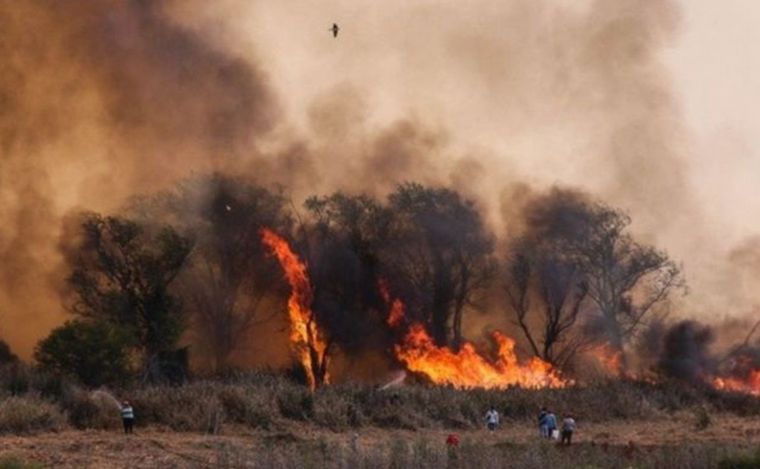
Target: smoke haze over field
(100, 101)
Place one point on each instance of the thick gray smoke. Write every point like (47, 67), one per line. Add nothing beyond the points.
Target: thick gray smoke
(685, 352)
(100, 101)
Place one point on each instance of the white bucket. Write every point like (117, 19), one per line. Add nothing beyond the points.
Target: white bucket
(555, 434)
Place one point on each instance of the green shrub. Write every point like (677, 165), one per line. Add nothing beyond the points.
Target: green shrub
(18, 379)
(95, 353)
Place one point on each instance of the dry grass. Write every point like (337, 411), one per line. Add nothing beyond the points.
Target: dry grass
(261, 420)
(302, 446)
(29, 414)
(263, 401)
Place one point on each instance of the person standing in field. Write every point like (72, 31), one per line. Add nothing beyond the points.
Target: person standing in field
(127, 417)
(543, 430)
(568, 427)
(492, 419)
(551, 423)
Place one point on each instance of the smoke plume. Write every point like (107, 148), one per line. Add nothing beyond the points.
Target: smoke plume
(101, 101)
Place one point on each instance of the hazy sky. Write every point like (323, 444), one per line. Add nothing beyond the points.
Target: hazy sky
(715, 61)
(513, 85)
(649, 105)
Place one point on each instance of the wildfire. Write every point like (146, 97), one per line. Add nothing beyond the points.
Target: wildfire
(466, 368)
(611, 360)
(748, 385)
(306, 339)
(396, 313)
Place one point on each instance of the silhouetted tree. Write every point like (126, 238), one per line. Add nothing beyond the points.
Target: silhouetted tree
(94, 352)
(440, 248)
(539, 272)
(229, 276)
(625, 280)
(6, 354)
(121, 274)
(344, 237)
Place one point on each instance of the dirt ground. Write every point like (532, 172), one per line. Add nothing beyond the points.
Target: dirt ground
(160, 448)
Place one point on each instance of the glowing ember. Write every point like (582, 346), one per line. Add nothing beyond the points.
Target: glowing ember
(611, 360)
(468, 369)
(396, 313)
(748, 385)
(305, 337)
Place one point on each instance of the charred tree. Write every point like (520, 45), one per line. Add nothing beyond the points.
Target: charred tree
(343, 238)
(442, 251)
(546, 295)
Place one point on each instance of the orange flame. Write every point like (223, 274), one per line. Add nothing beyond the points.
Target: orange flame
(748, 385)
(469, 369)
(396, 313)
(466, 368)
(611, 360)
(306, 339)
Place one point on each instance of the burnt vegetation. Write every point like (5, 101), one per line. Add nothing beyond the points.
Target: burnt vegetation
(180, 281)
(177, 287)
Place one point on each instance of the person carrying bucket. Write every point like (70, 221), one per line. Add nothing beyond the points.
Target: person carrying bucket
(550, 421)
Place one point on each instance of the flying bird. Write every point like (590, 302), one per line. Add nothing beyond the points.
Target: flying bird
(335, 29)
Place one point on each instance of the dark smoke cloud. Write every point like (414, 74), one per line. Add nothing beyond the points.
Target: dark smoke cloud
(695, 352)
(101, 100)
(685, 352)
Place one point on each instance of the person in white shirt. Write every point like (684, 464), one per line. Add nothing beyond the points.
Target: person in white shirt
(127, 417)
(492, 419)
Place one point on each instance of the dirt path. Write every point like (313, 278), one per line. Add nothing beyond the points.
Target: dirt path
(157, 448)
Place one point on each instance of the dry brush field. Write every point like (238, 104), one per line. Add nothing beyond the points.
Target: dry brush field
(267, 421)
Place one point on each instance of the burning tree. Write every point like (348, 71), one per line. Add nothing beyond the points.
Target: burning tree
(121, 274)
(443, 253)
(345, 237)
(306, 338)
(466, 367)
(540, 271)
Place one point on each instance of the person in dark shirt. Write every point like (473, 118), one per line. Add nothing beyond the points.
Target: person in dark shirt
(543, 430)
